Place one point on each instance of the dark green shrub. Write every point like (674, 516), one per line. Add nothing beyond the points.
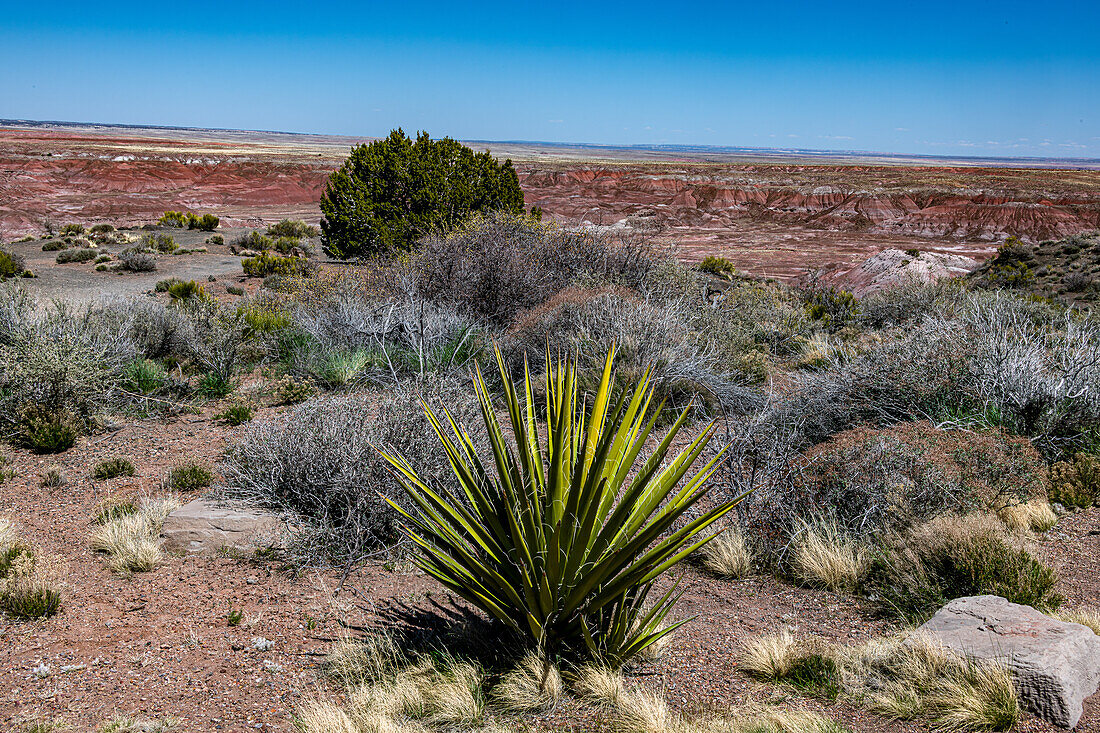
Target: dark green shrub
(163, 285)
(237, 413)
(11, 265)
(391, 192)
(291, 391)
(215, 239)
(30, 601)
(293, 228)
(212, 385)
(254, 241)
(102, 258)
(815, 674)
(265, 264)
(47, 431)
(144, 376)
(719, 266)
(75, 255)
(204, 223)
(234, 290)
(102, 229)
(55, 245)
(112, 468)
(832, 307)
(234, 617)
(1076, 484)
(177, 219)
(73, 229)
(188, 477)
(286, 245)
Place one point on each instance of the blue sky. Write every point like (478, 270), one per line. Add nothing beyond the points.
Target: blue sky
(945, 78)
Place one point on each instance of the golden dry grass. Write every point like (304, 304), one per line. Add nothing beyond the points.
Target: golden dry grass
(641, 711)
(597, 685)
(371, 659)
(1089, 617)
(131, 541)
(824, 557)
(769, 657)
(1035, 515)
(982, 699)
(318, 716)
(453, 696)
(8, 536)
(533, 685)
(728, 554)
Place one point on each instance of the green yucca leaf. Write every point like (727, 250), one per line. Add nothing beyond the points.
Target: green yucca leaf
(547, 535)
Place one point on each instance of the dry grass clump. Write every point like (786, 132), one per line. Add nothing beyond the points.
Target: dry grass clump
(823, 556)
(769, 657)
(132, 540)
(30, 583)
(598, 685)
(914, 676)
(324, 717)
(728, 554)
(128, 724)
(1089, 617)
(1035, 515)
(534, 684)
(641, 711)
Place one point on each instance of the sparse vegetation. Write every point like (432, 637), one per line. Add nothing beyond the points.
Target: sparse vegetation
(75, 255)
(292, 228)
(11, 265)
(130, 539)
(112, 468)
(719, 266)
(189, 477)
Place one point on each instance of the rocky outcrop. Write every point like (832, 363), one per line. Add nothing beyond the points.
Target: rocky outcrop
(1056, 665)
(892, 267)
(206, 527)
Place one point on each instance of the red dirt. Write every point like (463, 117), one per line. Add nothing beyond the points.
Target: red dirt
(776, 219)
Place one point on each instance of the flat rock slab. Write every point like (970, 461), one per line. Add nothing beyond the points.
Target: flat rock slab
(1056, 665)
(207, 527)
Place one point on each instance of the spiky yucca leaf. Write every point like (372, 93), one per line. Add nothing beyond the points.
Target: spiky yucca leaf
(548, 535)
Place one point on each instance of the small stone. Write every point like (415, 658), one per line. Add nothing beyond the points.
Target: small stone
(206, 527)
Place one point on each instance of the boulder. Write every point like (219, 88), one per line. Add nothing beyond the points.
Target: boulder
(1056, 665)
(207, 527)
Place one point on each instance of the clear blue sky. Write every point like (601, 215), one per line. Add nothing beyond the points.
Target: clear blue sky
(1008, 78)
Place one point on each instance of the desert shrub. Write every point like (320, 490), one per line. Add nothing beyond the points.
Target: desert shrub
(264, 265)
(554, 599)
(254, 241)
(204, 223)
(11, 264)
(112, 468)
(177, 219)
(144, 376)
(137, 260)
(163, 243)
(833, 308)
(291, 391)
(53, 478)
(72, 229)
(215, 239)
(950, 557)
(189, 477)
(264, 318)
(316, 462)
(720, 266)
(237, 413)
(1011, 268)
(871, 481)
(1076, 483)
(185, 290)
(212, 385)
(217, 333)
(391, 192)
(911, 302)
(163, 285)
(58, 367)
(113, 508)
(293, 228)
(749, 322)
(648, 335)
(46, 431)
(75, 255)
(101, 229)
(286, 245)
(54, 246)
(159, 332)
(498, 264)
(102, 259)
(1001, 361)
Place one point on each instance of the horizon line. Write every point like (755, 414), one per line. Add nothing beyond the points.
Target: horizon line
(666, 147)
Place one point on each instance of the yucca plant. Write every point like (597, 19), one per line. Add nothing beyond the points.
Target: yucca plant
(561, 540)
